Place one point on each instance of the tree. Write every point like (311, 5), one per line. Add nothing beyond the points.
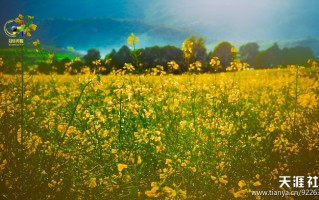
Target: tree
(153, 56)
(248, 52)
(194, 50)
(118, 59)
(92, 54)
(224, 52)
(44, 68)
(296, 55)
(61, 65)
(268, 58)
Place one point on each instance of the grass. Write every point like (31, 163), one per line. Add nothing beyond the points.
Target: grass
(209, 136)
(34, 57)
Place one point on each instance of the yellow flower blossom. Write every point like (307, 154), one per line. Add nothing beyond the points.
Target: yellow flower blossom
(172, 66)
(257, 176)
(241, 184)
(139, 160)
(193, 169)
(3, 165)
(223, 180)
(233, 50)
(19, 136)
(92, 183)
(257, 183)
(1, 62)
(36, 43)
(33, 27)
(96, 62)
(132, 39)
(169, 191)
(61, 128)
(153, 191)
(120, 167)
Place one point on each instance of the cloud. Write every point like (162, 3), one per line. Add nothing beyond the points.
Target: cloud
(239, 19)
(218, 19)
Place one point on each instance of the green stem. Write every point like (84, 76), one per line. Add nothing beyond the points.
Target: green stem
(22, 119)
(120, 130)
(22, 94)
(71, 120)
(296, 99)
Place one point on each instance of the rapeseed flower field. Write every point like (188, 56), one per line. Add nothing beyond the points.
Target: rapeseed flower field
(191, 136)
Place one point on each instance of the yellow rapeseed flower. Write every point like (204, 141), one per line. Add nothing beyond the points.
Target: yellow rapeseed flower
(223, 180)
(20, 16)
(51, 55)
(96, 62)
(132, 39)
(92, 183)
(257, 183)
(19, 65)
(33, 27)
(36, 43)
(193, 169)
(257, 176)
(61, 128)
(233, 50)
(3, 165)
(36, 98)
(139, 160)
(19, 136)
(173, 65)
(120, 167)
(241, 184)
(153, 191)
(168, 161)
(169, 191)
(1, 62)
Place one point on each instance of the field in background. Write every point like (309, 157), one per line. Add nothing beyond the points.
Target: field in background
(209, 136)
(34, 57)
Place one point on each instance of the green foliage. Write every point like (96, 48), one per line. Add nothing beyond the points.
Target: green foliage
(275, 56)
(248, 52)
(91, 55)
(223, 52)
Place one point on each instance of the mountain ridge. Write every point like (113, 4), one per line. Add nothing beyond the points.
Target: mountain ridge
(106, 34)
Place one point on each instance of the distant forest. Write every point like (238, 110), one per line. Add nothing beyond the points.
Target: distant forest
(145, 59)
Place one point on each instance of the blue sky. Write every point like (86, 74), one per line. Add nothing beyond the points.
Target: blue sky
(233, 20)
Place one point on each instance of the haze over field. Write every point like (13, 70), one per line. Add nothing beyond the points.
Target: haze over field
(166, 22)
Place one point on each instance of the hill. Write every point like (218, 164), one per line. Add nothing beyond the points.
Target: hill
(104, 34)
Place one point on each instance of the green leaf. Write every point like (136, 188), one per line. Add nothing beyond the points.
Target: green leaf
(98, 77)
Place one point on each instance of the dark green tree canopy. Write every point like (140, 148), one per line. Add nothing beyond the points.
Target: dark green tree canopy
(275, 56)
(91, 55)
(248, 52)
(223, 52)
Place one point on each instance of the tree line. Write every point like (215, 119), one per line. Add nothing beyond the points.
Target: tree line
(193, 51)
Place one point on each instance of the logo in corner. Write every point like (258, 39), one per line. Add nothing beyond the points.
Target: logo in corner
(15, 32)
